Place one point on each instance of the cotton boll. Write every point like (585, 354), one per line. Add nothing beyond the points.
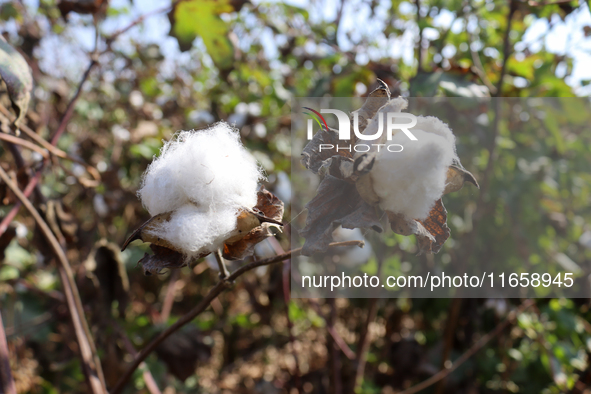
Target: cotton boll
(434, 125)
(195, 231)
(209, 168)
(204, 178)
(409, 182)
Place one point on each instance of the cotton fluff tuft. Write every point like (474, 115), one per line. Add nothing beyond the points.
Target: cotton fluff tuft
(409, 182)
(204, 178)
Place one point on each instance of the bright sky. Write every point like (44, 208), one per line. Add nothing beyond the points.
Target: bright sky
(560, 37)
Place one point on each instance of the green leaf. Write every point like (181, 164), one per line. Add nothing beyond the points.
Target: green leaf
(190, 19)
(15, 72)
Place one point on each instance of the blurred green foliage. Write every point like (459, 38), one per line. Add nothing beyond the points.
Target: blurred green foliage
(243, 63)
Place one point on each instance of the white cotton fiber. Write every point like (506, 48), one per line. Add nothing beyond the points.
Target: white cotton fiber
(204, 177)
(409, 182)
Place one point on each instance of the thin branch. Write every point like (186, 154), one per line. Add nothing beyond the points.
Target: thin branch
(365, 337)
(116, 34)
(472, 351)
(506, 47)
(286, 276)
(90, 362)
(337, 21)
(70, 108)
(204, 304)
(492, 148)
(24, 143)
(54, 150)
(148, 377)
(364, 342)
(286, 298)
(224, 273)
(333, 352)
(350, 354)
(420, 45)
(6, 380)
(449, 335)
(477, 67)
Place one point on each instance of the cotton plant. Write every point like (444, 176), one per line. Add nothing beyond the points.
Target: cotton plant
(204, 197)
(358, 189)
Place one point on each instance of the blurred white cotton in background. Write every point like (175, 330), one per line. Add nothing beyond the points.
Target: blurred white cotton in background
(352, 256)
(204, 178)
(410, 181)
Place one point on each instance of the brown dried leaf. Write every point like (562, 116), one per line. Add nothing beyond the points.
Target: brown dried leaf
(269, 209)
(337, 203)
(165, 254)
(436, 225)
(456, 177)
(431, 233)
(144, 232)
(269, 205)
(313, 158)
(244, 247)
(379, 96)
(162, 258)
(245, 222)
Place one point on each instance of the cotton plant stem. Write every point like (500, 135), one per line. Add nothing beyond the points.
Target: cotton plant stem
(204, 304)
(286, 276)
(333, 351)
(292, 340)
(90, 361)
(365, 336)
(492, 149)
(506, 47)
(449, 335)
(350, 354)
(224, 273)
(364, 342)
(472, 351)
(7, 384)
(149, 380)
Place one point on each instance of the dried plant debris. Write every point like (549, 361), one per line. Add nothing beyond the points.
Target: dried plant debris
(106, 266)
(269, 212)
(357, 189)
(203, 194)
(183, 351)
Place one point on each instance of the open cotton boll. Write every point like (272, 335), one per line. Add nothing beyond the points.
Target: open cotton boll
(209, 168)
(409, 182)
(204, 178)
(195, 231)
(434, 125)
